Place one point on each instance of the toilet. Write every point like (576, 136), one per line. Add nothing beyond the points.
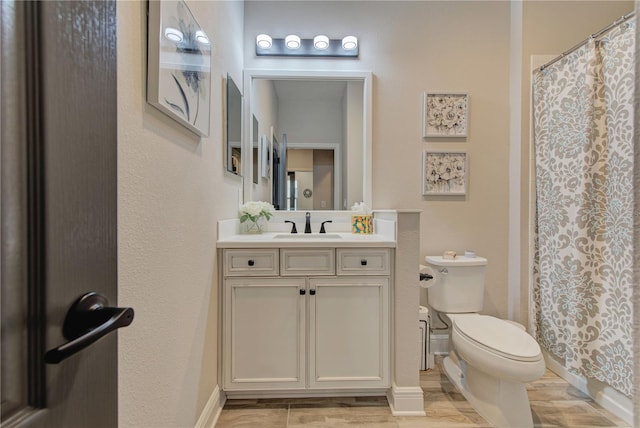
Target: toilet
(491, 359)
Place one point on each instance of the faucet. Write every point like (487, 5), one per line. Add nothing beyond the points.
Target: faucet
(307, 224)
(293, 226)
(322, 226)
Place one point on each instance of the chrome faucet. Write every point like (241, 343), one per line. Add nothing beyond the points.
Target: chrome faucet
(307, 224)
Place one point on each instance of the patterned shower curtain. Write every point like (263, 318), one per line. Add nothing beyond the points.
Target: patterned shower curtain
(582, 309)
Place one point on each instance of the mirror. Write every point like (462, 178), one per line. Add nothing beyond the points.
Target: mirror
(322, 121)
(234, 128)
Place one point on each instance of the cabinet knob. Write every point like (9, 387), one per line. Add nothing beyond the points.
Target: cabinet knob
(251, 262)
(363, 262)
(312, 292)
(303, 291)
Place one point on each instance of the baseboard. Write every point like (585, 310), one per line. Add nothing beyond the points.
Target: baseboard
(302, 393)
(406, 401)
(604, 395)
(212, 409)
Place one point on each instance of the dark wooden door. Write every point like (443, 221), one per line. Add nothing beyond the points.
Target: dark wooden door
(59, 139)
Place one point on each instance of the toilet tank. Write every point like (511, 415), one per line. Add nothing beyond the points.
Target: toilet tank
(459, 284)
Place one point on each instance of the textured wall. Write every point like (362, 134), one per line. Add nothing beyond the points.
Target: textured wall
(171, 192)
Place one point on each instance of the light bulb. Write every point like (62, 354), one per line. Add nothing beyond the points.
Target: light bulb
(263, 41)
(173, 34)
(201, 37)
(349, 43)
(321, 42)
(292, 41)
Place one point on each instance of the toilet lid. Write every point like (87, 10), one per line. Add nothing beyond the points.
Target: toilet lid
(498, 336)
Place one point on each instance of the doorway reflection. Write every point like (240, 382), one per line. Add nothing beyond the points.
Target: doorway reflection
(311, 183)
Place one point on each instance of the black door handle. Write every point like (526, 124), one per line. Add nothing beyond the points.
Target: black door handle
(88, 319)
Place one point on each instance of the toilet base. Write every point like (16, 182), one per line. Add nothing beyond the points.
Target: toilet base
(504, 404)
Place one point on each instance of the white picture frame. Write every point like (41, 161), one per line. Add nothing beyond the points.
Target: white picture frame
(445, 114)
(179, 65)
(445, 172)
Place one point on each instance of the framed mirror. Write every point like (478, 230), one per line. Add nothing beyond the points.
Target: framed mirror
(234, 128)
(323, 123)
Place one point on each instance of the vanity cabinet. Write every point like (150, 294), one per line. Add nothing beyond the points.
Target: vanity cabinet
(306, 319)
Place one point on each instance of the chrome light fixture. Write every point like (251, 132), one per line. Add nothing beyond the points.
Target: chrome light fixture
(319, 46)
(292, 41)
(321, 42)
(349, 43)
(264, 41)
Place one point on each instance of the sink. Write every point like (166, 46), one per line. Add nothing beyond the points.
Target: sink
(307, 236)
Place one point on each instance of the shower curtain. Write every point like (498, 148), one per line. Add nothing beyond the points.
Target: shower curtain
(582, 309)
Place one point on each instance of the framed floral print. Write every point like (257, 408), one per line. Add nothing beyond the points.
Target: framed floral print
(444, 173)
(179, 65)
(445, 114)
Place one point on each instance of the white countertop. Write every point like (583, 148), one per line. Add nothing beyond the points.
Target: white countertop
(301, 240)
(278, 235)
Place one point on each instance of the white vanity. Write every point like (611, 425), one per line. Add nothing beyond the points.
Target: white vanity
(306, 315)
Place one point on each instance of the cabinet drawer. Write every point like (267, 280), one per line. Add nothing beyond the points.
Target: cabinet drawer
(359, 261)
(251, 262)
(304, 262)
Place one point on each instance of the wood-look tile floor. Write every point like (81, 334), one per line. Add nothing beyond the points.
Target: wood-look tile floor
(554, 403)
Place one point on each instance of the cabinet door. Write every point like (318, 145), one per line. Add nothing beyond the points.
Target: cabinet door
(264, 334)
(349, 332)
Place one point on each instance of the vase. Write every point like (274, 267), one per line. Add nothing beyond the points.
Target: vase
(253, 227)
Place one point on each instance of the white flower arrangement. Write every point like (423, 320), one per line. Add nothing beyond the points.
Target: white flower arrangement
(444, 173)
(253, 212)
(446, 114)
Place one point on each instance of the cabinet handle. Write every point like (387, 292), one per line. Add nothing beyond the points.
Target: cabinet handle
(251, 262)
(312, 292)
(303, 291)
(363, 262)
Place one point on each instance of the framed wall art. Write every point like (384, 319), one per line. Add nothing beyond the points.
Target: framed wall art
(445, 114)
(179, 65)
(444, 173)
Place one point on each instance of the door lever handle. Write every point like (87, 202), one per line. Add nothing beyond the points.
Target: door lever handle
(88, 320)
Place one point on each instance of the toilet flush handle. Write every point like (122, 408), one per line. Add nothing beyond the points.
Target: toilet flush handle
(444, 271)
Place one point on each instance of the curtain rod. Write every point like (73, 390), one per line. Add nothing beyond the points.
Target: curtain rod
(597, 34)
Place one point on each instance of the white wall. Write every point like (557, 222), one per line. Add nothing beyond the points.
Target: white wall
(266, 111)
(352, 159)
(171, 192)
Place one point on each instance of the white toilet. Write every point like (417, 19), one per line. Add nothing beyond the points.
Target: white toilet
(492, 359)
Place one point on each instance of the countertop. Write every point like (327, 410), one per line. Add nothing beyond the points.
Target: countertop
(302, 240)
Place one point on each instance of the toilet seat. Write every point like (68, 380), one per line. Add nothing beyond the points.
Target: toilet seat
(497, 336)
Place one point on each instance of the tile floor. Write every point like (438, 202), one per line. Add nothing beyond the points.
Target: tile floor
(554, 403)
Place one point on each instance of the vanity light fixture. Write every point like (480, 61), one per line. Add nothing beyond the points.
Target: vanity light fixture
(292, 41)
(201, 37)
(319, 46)
(173, 34)
(349, 43)
(264, 41)
(321, 42)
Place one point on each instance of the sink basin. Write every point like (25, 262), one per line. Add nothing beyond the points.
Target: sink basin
(307, 236)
